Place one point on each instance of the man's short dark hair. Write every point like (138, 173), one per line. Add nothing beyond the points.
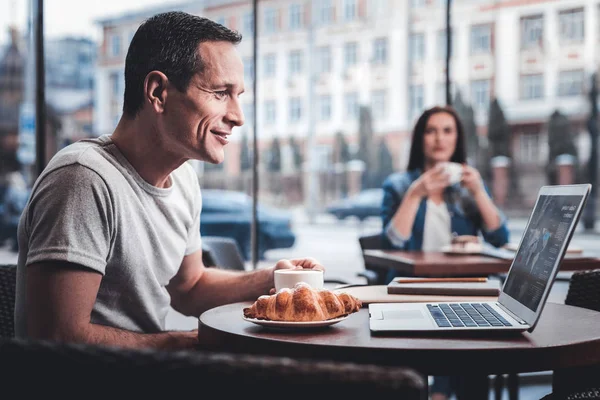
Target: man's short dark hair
(168, 42)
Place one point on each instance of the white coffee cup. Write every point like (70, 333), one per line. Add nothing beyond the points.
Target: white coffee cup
(287, 278)
(454, 172)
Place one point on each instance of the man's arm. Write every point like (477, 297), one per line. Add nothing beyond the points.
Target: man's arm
(196, 288)
(60, 299)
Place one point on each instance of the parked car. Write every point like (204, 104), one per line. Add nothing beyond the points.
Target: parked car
(13, 199)
(363, 205)
(228, 213)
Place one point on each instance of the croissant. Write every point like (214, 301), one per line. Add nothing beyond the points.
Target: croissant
(302, 304)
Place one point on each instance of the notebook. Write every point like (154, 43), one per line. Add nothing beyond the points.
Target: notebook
(533, 269)
(487, 288)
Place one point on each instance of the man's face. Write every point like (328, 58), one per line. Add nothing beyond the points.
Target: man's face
(198, 122)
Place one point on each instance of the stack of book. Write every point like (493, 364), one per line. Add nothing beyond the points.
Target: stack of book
(444, 286)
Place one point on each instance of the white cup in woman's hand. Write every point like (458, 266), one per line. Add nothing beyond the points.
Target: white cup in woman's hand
(454, 172)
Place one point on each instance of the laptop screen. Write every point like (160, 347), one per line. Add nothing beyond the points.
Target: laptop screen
(533, 265)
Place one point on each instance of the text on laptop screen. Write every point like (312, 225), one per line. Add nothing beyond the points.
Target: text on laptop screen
(533, 264)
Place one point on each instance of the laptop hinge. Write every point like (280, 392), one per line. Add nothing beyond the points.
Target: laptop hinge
(515, 317)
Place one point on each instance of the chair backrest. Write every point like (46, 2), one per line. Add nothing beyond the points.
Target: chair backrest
(153, 373)
(223, 252)
(378, 275)
(8, 284)
(584, 290)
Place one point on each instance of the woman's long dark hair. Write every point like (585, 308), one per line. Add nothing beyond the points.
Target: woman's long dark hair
(417, 156)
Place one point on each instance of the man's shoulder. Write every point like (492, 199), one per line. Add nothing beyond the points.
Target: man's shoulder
(85, 155)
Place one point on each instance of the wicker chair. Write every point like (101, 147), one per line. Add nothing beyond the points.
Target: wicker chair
(584, 383)
(8, 283)
(75, 369)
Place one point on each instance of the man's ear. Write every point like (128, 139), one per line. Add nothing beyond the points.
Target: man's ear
(155, 90)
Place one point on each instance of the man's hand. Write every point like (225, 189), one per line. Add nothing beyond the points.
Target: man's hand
(297, 263)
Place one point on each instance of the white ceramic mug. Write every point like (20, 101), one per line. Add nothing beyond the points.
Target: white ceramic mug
(454, 171)
(287, 278)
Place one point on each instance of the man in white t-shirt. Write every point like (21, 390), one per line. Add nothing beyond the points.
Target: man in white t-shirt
(110, 238)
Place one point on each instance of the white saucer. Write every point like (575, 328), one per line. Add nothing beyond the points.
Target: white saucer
(294, 325)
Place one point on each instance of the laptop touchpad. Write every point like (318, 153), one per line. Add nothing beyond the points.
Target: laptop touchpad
(402, 314)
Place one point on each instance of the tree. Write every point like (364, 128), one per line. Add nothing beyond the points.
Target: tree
(498, 131)
(245, 161)
(560, 141)
(296, 153)
(367, 151)
(500, 143)
(274, 161)
(467, 118)
(386, 162)
(342, 149)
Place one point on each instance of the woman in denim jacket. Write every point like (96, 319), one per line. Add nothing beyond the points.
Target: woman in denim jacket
(422, 210)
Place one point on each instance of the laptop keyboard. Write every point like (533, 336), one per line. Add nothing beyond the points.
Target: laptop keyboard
(466, 315)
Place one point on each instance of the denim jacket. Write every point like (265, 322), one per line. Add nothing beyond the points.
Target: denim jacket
(465, 218)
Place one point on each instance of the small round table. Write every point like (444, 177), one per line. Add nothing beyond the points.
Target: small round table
(565, 337)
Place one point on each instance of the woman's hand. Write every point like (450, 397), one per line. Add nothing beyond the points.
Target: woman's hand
(471, 180)
(433, 181)
(297, 263)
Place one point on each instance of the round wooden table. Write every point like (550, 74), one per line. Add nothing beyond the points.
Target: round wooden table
(565, 337)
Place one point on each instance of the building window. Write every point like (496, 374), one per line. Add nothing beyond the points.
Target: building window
(532, 86)
(416, 47)
(248, 69)
(350, 54)
(270, 20)
(532, 32)
(379, 104)
(295, 109)
(248, 23)
(351, 102)
(481, 39)
(350, 10)
(417, 3)
(480, 94)
(295, 62)
(415, 100)
(323, 60)
(115, 45)
(570, 83)
(531, 148)
(248, 109)
(325, 12)
(269, 66)
(442, 45)
(380, 51)
(440, 95)
(295, 16)
(270, 112)
(572, 26)
(324, 108)
(115, 84)
(377, 8)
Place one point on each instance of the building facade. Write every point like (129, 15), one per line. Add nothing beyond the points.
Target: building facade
(319, 61)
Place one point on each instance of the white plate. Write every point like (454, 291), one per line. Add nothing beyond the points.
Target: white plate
(295, 325)
(472, 249)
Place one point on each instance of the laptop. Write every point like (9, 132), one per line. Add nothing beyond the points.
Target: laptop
(534, 267)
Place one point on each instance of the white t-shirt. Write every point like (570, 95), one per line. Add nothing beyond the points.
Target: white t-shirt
(437, 230)
(92, 208)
